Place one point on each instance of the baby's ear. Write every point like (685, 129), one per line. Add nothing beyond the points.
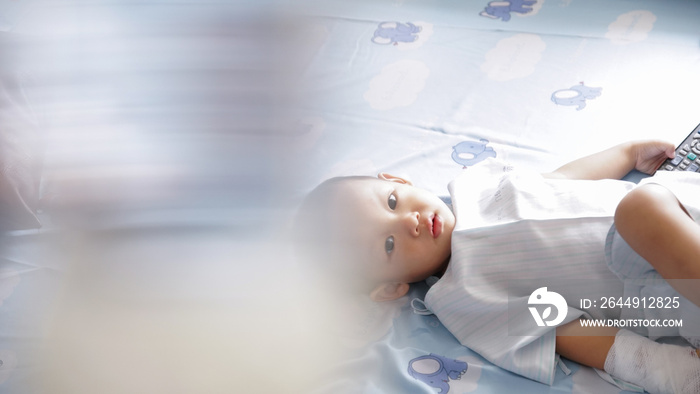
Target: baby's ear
(389, 291)
(393, 178)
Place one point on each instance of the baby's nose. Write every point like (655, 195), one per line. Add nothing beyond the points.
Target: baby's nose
(412, 223)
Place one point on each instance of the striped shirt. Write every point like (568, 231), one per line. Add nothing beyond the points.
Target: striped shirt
(516, 232)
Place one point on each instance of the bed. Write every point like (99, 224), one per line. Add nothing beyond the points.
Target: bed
(159, 134)
(426, 90)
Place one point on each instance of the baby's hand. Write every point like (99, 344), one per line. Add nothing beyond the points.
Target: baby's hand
(651, 154)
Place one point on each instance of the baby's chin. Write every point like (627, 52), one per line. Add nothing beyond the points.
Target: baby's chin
(449, 222)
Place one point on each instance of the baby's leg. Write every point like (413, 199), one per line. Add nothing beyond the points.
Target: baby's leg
(584, 344)
(658, 368)
(655, 224)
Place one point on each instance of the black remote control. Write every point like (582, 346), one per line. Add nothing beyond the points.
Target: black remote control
(687, 154)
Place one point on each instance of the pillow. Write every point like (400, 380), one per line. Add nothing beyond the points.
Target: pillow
(20, 150)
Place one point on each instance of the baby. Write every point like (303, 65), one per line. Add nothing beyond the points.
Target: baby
(379, 235)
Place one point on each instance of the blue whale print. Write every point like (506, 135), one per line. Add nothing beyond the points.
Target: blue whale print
(575, 96)
(395, 32)
(436, 370)
(468, 153)
(502, 9)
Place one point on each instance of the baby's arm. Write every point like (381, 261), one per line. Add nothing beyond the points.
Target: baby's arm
(616, 162)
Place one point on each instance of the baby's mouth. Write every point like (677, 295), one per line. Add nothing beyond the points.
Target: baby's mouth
(436, 226)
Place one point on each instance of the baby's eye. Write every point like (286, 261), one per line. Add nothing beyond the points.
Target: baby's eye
(389, 244)
(392, 201)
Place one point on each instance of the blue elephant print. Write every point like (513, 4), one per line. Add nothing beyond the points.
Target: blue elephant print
(575, 96)
(395, 32)
(502, 9)
(468, 153)
(436, 370)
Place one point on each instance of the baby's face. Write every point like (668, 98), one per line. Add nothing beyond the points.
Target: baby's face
(402, 233)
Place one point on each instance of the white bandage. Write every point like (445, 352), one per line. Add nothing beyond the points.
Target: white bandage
(658, 368)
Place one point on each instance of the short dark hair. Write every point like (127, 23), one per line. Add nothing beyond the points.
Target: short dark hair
(322, 244)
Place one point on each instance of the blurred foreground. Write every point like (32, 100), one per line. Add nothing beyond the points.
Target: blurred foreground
(170, 155)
